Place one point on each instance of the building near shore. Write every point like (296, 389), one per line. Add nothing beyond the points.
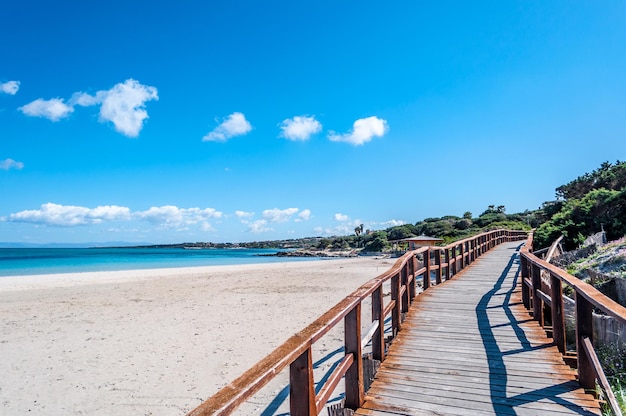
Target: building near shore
(412, 243)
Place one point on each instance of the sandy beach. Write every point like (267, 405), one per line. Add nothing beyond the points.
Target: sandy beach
(155, 342)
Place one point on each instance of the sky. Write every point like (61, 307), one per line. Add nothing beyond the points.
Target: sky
(161, 122)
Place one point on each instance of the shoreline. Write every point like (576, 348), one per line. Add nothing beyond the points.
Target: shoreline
(156, 341)
(46, 280)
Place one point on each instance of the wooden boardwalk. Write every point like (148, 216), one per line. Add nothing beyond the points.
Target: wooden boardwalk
(468, 347)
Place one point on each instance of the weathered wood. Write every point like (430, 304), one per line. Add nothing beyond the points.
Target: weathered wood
(558, 317)
(333, 381)
(302, 388)
(396, 312)
(405, 290)
(584, 329)
(293, 352)
(426, 281)
(378, 339)
(535, 277)
(469, 347)
(439, 272)
(525, 288)
(354, 374)
(602, 380)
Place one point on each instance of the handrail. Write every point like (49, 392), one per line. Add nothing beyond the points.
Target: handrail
(445, 262)
(586, 297)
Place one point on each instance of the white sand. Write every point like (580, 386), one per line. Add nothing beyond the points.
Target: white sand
(154, 342)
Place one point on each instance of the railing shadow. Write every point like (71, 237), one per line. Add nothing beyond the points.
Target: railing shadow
(503, 290)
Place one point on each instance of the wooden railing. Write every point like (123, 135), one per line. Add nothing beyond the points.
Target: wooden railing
(542, 294)
(296, 352)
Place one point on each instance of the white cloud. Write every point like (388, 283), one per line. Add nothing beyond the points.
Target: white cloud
(364, 129)
(393, 223)
(259, 226)
(170, 216)
(341, 217)
(124, 105)
(10, 164)
(53, 109)
(85, 100)
(10, 87)
(303, 215)
(165, 217)
(243, 214)
(300, 127)
(233, 125)
(279, 215)
(69, 215)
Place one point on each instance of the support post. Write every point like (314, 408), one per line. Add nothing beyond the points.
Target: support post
(354, 376)
(535, 275)
(406, 295)
(438, 263)
(426, 281)
(395, 312)
(525, 289)
(447, 259)
(378, 339)
(412, 292)
(584, 329)
(558, 319)
(301, 386)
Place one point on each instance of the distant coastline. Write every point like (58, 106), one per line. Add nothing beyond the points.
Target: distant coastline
(33, 261)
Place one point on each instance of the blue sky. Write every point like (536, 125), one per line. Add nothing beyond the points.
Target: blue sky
(166, 122)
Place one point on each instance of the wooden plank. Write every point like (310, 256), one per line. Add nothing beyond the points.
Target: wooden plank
(468, 346)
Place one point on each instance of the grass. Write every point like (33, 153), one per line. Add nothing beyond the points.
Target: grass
(619, 390)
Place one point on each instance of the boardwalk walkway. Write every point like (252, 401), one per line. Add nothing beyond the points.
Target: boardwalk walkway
(468, 347)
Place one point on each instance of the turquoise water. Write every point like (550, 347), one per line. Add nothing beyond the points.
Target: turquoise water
(29, 261)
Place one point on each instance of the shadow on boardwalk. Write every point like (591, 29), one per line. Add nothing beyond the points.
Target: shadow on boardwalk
(504, 289)
(468, 347)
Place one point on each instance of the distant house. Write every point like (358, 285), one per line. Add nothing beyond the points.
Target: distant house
(412, 243)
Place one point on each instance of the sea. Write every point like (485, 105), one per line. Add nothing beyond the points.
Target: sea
(31, 261)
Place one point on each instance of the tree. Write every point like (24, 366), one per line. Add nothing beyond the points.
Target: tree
(467, 215)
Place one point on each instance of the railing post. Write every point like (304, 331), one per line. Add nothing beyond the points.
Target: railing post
(405, 295)
(447, 259)
(461, 266)
(354, 375)
(475, 249)
(438, 263)
(558, 319)
(426, 280)
(584, 329)
(411, 286)
(378, 339)
(396, 311)
(525, 288)
(301, 386)
(535, 273)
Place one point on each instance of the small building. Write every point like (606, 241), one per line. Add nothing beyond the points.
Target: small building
(412, 243)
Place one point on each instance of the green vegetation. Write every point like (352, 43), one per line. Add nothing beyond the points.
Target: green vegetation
(583, 206)
(613, 359)
(586, 204)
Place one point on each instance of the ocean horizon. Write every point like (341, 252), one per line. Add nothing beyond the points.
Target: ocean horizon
(33, 261)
